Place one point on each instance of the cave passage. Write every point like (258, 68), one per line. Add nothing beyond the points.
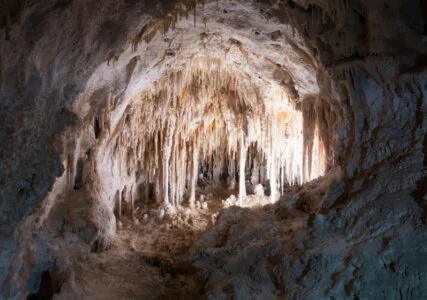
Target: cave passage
(206, 124)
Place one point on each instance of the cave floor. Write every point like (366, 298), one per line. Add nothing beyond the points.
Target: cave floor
(150, 260)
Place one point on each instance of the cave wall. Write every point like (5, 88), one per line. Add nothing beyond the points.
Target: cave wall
(39, 129)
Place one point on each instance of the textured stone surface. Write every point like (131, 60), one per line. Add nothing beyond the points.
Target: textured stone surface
(71, 78)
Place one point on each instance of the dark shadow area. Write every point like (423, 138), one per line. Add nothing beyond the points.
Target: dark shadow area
(46, 290)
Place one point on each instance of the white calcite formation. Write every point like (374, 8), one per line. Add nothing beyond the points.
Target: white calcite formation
(104, 104)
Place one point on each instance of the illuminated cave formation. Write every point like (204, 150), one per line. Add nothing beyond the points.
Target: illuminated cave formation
(270, 149)
(212, 117)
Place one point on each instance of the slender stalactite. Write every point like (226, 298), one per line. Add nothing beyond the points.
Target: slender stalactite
(242, 164)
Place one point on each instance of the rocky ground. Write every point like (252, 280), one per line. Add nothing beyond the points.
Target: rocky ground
(149, 258)
(259, 251)
(162, 256)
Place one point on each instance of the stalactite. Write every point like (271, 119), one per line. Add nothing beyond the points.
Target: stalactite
(196, 119)
(309, 124)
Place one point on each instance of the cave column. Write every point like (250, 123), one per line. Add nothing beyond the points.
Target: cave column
(173, 177)
(182, 170)
(273, 183)
(166, 158)
(242, 164)
(194, 172)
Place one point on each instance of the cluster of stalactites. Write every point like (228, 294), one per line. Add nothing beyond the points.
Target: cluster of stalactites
(209, 117)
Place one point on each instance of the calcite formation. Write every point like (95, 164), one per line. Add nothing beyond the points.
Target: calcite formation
(110, 107)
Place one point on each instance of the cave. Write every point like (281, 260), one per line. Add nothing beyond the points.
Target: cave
(228, 149)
